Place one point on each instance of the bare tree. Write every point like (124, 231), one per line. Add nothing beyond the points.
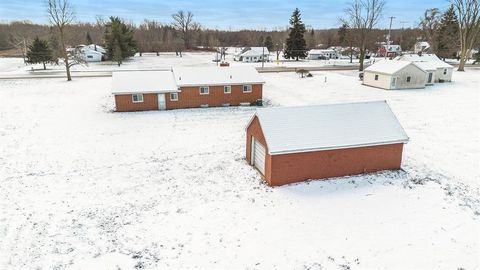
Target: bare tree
(469, 26)
(182, 21)
(430, 25)
(61, 15)
(363, 16)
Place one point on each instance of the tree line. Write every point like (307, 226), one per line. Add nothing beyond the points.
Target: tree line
(447, 32)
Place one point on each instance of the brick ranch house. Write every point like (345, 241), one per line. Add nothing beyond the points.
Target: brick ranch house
(186, 88)
(293, 144)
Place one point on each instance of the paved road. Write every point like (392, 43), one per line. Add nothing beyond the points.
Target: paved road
(108, 73)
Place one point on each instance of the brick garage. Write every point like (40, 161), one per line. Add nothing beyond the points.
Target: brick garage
(294, 144)
(186, 88)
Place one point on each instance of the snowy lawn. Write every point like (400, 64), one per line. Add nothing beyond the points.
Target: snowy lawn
(84, 188)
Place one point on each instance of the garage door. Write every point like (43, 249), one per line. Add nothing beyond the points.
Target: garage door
(258, 156)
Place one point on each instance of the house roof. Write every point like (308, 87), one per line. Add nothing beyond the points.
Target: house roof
(324, 127)
(429, 66)
(193, 76)
(130, 82)
(425, 58)
(321, 51)
(388, 66)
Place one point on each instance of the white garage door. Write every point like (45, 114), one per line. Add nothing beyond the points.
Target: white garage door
(258, 156)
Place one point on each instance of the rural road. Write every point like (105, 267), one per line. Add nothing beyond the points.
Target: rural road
(108, 73)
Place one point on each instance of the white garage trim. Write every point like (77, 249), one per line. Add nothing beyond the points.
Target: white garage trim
(258, 155)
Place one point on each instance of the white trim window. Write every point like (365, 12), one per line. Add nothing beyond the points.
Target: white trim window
(204, 90)
(227, 89)
(137, 98)
(173, 96)
(444, 71)
(376, 77)
(247, 88)
(409, 79)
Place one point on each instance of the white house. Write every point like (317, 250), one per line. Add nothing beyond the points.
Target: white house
(90, 53)
(325, 54)
(393, 74)
(252, 54)
(443, 71)
(421, 47)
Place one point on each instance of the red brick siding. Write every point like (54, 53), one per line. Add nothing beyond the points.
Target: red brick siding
(124, 103)
(255, 130)
(190, 97)
(297, 167)
(289, 168)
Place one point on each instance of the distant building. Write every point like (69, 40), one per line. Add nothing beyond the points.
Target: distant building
(393, 74)
(421, 47)
(322, 54)
(252, 55)
(293, 144)
(443, 70)
(90, 53)
(389, 50)
(192, 87)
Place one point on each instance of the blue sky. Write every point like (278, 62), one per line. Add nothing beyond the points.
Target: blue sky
(223, 14)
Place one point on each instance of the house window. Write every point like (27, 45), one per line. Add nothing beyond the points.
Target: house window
(89, 56)
(247, 88)
(173, 96)
(409, 79)
(227, 89)
(376, 77)
(137, 98)
(203, 90)
(445, 71)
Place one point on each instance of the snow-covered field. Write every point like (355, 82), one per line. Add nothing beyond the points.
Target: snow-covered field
(82, 187)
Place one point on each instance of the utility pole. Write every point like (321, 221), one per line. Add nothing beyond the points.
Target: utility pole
(388, 38)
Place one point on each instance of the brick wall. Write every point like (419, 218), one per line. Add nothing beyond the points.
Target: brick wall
(124, 103)
(255, 130)
(190, 97)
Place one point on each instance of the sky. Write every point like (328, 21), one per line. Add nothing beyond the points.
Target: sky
(222, 14)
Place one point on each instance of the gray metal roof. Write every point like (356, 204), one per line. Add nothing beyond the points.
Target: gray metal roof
(335, 126)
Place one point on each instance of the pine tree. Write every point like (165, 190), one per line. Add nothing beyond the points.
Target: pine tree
(269, 43)
(39, 52)
(296, 44)
(342, 34)
(448, 34)
(119, 42)
(89, 39)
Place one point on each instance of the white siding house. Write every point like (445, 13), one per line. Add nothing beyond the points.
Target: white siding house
(326, 54)
(252, 55)
(443, 71)
(392, 74)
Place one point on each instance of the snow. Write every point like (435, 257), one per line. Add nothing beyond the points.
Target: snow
(388, 66)
(83, 187)
(333, 126)
(188, 76)
(431, 58)
(127, 82)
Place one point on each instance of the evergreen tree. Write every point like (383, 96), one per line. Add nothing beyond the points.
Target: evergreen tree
(119, 42)
(448, 34)
(269, 43)
(342, 34)
(296, 44)
(89, 39)
(39, 52)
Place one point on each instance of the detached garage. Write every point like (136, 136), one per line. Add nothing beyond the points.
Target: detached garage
(293, 144)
